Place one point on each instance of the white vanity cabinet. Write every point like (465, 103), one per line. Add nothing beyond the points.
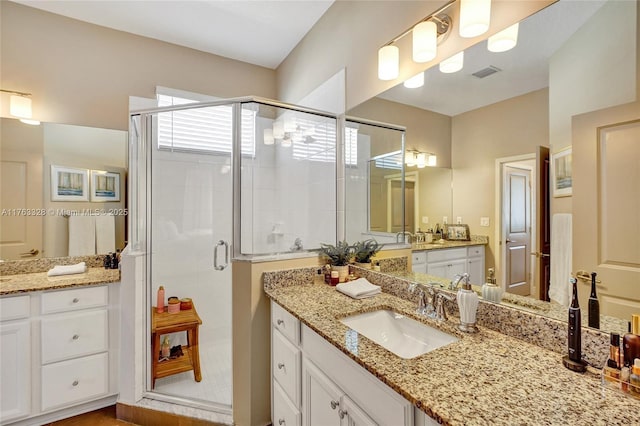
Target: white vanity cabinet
(60, 357)
(447, 263)
(15, 350)
(314, 383)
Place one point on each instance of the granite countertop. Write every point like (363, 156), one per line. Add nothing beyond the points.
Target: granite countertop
(484, 378)
(445, 244)
(39, 281)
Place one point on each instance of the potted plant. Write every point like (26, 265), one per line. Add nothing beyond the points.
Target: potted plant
(339, 257)
(364, 251)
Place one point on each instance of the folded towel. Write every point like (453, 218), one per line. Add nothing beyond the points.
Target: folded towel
(78, 268)
(358, 289)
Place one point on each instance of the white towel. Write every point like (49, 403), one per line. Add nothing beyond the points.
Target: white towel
(105, 234)
(82, 235)
(561, 254)
(78, 268)
(358, 289)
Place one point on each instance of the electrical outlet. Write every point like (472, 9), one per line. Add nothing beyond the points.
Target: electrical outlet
(484, 221)
(445, 220)
(459, 219)
(425, 219)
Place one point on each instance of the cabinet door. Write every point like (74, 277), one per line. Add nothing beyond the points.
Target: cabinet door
(456, 267)
(447, 269)
(419, 267)
(475, 268)
(15, 377)
(321, 397)
(352, 415)
(438, 269)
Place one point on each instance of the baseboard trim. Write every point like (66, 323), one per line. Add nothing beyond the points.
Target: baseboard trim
(144, 416)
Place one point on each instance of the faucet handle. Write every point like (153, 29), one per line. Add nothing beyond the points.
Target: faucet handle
(441, 312)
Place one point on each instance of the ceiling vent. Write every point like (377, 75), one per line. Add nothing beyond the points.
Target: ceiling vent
(486, 72)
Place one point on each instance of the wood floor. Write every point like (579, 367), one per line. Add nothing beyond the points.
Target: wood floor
(103, 417)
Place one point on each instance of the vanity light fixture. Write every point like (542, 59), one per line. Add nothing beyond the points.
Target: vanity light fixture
(452, 64)
(504, 40)
(415, 81)
(410, 158)
(268, 136)
(20, 106)
(474, 17)
(432, 160)
(420, 159)
(426, 35)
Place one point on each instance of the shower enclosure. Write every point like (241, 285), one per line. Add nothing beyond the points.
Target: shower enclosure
(212, 183)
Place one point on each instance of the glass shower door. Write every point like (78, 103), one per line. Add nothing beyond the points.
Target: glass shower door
(190, 230)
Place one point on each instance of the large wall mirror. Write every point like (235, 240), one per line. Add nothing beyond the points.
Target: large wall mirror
(63, 190)
(470, 121)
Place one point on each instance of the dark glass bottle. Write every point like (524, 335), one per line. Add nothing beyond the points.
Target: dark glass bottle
(575, 327)
(594, 305)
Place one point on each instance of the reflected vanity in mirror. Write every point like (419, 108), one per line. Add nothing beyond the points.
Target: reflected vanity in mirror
(469, 119)
(54, 174)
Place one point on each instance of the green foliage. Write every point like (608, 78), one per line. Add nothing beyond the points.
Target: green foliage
(338, 255)
(365, 250)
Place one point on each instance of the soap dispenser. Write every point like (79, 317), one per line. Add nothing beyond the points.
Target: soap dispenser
(468, 305)
(490, 291)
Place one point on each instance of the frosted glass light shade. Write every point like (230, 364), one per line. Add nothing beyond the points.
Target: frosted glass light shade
(475, 16)
(268, 136)
(20, 106)
(504, 40)
(278, 129)
(452, 64)
(409, 159)
(415, 81)
(388, 62)
(425, 41)
(432, 160)
(421, 160)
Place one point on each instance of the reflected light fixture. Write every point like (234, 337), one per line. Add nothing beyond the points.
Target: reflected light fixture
(425, 41)
(268, 136)
(388, 62)
(20, 106)
(410, 159)
(474, 17)
(415, 81)
(286, 142)
(504, 40)
(432, 160)
(278, 129)
(452, 64)
(420, 159)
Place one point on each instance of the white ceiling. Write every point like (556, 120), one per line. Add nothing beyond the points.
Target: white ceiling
(525, 68)
(261, 32)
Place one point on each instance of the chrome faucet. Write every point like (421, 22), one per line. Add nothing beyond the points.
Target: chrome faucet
(426, 296)
(297, 245)
(453, 285)
(441, 312)
(404, 234)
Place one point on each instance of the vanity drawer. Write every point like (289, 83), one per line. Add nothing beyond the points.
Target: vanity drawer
(284, 412)
(77, 298)
(418, 257)
(73, 381)
(286, 366)
(12, 308)
(75, 334)
(474, 251)
(286, 323)
(442, 255)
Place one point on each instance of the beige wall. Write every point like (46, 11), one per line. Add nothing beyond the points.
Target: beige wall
(505, 129)
(350, 33)
(83, 74)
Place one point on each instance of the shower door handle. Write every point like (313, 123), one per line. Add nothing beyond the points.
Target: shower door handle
(226, 255)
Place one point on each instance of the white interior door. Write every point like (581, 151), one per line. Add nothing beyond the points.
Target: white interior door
(606, 202)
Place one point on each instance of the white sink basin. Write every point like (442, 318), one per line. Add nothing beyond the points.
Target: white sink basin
(401, 335)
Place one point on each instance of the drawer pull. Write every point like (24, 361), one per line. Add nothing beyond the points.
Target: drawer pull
(281, 422)
(334, 404)
(75, 300)
(280, 366)
(280, 322)
(75, 337)
(342, 413)
(75, 383)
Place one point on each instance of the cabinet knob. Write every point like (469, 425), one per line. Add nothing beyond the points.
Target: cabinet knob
(75, 337)
(75, 300)
(75, 383)
(280, 322)
(280, 366)
(281, 422)
(342, 413)
(334, 404)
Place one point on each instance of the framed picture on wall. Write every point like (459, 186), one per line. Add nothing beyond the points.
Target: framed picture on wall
(457, 232)
(69, 184)
(105, 186)
(561, 173)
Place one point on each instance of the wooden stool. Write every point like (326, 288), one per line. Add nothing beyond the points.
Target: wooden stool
(166, 323)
